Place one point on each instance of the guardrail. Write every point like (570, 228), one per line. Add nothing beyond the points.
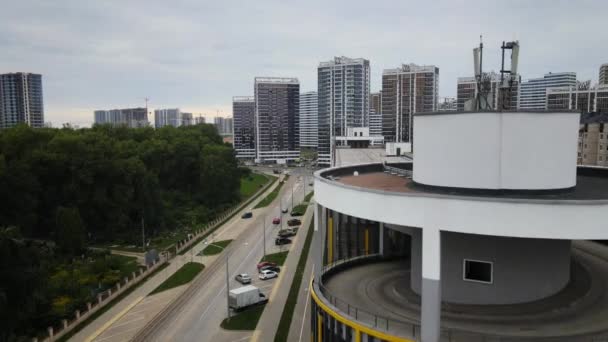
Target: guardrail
(397, 171)
(412, 329)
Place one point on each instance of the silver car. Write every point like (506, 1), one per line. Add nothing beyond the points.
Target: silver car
(243, 278)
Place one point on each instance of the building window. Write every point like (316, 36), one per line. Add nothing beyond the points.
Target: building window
(478, 271)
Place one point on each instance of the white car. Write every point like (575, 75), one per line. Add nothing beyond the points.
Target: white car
(268, 274)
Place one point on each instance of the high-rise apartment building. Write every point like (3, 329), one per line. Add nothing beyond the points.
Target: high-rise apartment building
(593, 139)
(603, 74)
(199, 120)
(407, 90)
(243, 112)
(447, 104)
(343, 87)
(582, 98)
(309, 120)
(467, 90)
(224, 125)
(167, 117)
(130, 117)
(21, 100)
(375, 114)
(187, 119)
(277, 119)
(533, 92)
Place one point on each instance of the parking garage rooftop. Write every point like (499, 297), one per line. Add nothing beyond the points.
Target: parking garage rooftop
(591, 184)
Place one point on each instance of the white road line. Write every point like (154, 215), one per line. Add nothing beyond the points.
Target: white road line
(125, 323)
(312, 272)
(242, 339)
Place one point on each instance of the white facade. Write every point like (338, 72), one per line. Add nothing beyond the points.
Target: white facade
(167, 117)
(483, 150)
(603, 74)
(397, 149)
(533, 92)
(309, 120)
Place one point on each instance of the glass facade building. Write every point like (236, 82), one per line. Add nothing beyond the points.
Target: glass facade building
(309, 120)
(533, 92)
(243, 112)
(277, 119)
(21, 100)
(343, 101)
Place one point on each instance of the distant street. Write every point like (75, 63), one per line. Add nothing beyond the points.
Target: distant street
(200, 319)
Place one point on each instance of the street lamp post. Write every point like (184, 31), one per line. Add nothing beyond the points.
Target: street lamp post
(227, 277)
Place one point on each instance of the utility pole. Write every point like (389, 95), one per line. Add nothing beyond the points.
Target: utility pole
(227, 287)
(292, 196)
(143, 234)
(264, 235)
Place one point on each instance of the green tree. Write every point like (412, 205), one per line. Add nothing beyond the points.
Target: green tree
(70, 231)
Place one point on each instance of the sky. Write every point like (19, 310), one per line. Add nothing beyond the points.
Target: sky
(197, 54)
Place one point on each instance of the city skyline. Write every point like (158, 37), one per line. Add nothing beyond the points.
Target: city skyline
(90, 59)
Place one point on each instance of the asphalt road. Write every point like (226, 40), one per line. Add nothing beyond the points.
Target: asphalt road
(200, 318)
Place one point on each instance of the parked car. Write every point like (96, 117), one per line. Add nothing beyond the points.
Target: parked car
(288, 232)
(268, 274)
(294, 222)
(271, 268)
(296, 213)
(243, 278)
(284, 210)
(276, 220)
(282, 241)
(276, 172)
(247, 215)
(264, 264)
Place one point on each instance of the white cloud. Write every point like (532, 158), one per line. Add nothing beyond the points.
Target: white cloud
(198, 54)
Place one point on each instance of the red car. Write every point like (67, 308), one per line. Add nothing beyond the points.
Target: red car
(266, 263)
(276, 220)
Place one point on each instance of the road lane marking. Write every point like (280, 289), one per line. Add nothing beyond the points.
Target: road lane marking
(114, 319)
(312, 272)
(242, 339)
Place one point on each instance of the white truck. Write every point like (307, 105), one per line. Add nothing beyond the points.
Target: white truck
(246, 296)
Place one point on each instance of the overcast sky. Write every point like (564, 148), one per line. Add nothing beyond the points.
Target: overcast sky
(197, 54)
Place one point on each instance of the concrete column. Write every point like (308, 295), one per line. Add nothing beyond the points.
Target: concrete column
(64, 322)
(381, 239)
(318, 238)
(50, 331)
(98, 299)
(430, 316)
(77, 314)
(89, 306)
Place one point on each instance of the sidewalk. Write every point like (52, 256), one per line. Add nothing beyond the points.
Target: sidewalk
(267, 326)
(300, 323)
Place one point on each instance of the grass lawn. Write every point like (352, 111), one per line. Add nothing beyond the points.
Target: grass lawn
(128, 264)
(298, 210)
(278, 258)
(244, 320)
(183, 276)
(309, 196)
(270, 197)
(213, 249)
(292, 297)
(251, 184)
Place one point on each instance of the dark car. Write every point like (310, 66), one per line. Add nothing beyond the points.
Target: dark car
(287, 232)
(271, 268)
(247, 215)
(282, 241)
(294, 222)
(276, 172)
(296, 213)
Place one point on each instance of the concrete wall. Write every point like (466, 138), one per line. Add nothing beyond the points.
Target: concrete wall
(497, 150)
(524, 269)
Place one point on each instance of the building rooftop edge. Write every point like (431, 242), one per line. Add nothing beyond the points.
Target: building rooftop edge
(539, 111)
